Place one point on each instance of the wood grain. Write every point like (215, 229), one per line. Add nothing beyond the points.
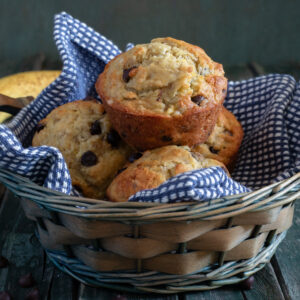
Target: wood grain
(266, 285)
(20, 246)
(15, 239)
(232, 293)
(90, 293)
(286, 260)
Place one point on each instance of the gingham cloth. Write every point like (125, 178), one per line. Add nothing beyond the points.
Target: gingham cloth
(266, 106)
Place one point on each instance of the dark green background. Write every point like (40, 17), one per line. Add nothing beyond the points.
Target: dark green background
(233, 32)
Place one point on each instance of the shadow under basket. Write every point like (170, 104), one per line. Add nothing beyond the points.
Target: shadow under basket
(160, 248)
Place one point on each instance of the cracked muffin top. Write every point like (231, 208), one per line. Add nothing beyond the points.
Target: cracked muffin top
(165, 77)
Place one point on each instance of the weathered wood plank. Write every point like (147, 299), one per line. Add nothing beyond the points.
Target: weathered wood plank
(266, 285)
(16, 243)
(152, 297)
(230, 292)
(90, 293)
(286, 260)
(63, 287)
(20, 246)
(54, 284)
(87, 293)
(47, 274)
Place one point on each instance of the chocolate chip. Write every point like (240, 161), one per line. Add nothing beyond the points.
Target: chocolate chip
(88, 159)
(5, 296)
(3, 262)
(135, 156)
(166, 138)
(197, 99)
(113, 138)
(123, 134)
(34, 294)
(95, 128)
(247, 284)
(213, 150)
(159, 96)
(126, 74)
(26, 280)
(39, 127)
(120, 171)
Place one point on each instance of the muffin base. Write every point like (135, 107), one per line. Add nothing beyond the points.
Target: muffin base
(147, 131)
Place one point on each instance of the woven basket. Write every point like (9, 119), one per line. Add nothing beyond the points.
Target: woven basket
(162, 248)
(151, 247)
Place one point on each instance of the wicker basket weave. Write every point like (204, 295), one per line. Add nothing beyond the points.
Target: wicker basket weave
(162, 248)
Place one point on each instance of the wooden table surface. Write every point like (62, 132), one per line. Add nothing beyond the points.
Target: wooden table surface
(280, 279)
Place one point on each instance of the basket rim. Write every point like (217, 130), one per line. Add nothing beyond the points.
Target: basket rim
(273, 195)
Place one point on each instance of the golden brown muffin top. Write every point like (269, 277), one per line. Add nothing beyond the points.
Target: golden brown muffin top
(154, 168)
(224, 141)
(166, 76)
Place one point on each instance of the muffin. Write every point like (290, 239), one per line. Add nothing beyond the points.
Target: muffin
(162, 93)
(224, 142)
(29, 83)
(154, 168)
(93, 151)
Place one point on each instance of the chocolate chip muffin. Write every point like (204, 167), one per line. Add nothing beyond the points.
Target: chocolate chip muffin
(93, 151)
(162, 93)
(224, 142)
(155, 167)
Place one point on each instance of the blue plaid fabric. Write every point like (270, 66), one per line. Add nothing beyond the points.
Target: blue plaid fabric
(266, 106)
(268, 109)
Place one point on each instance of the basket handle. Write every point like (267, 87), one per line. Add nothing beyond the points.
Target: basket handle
(13, 105)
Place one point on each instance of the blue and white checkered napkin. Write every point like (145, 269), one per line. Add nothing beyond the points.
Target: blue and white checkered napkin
(266, 106)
